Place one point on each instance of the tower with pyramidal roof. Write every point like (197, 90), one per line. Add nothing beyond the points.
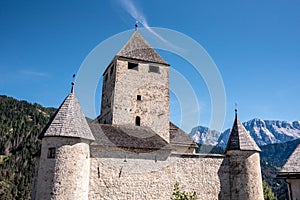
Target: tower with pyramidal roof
(136, 88)
(132, 150)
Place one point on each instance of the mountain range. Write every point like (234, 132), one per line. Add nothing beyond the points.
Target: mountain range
(264, 132)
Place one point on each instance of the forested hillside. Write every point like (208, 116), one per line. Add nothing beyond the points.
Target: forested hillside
(20, 123)
(273, 157)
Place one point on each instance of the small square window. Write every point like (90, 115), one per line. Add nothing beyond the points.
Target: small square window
(133, 66)
(154, 69)
(51, 152)
(139, 97)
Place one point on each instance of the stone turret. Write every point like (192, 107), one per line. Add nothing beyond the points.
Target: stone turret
(244, 164)
(136, 88)
(63, 172)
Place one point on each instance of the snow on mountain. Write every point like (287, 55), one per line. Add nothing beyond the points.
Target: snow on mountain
(263, 132)
(267, 131)
(203, 135)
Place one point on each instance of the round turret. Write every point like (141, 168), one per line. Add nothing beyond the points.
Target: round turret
(63, 172)
(244, 164)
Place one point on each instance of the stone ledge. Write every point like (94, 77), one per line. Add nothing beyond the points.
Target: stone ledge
(190, 155)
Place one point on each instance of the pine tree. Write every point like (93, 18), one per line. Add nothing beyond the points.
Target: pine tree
(268, 194)
(20, 124)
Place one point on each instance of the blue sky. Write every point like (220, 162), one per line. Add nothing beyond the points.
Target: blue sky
(255, 45)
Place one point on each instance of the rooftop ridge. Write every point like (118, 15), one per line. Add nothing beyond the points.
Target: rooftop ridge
(138, 48)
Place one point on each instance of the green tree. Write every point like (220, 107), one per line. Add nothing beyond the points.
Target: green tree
(268, 194)
(182, 195)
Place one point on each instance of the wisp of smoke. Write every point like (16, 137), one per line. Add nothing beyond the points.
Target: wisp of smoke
(131, 10)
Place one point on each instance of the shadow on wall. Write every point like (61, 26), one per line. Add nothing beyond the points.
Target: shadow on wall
(223, 174)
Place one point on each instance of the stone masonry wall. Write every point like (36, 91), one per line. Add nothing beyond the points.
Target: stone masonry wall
(108, 88)
(67, 175)
(245, 175)
(295, 188)
(126, 178)
(153, 108)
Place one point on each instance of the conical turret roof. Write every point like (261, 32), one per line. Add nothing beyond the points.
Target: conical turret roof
(240, 139)
(138, 48)
(68, 121)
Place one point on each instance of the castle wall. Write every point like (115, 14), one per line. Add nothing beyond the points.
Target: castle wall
(245, 175)
(153, 108)
(294, 188)
(66, 176)
(147, 178)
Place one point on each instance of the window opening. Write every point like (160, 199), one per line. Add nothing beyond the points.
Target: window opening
(133, 66)
(138, 121)
(139, 97)
(154, 69)
(51, 152)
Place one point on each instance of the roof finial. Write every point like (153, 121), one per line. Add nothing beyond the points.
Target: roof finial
(235, 110)
(73, 83)
(136, 25)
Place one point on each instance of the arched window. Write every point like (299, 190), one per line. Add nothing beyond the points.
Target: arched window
(137, 121)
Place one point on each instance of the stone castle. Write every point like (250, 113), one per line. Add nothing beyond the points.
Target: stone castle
(132, 150)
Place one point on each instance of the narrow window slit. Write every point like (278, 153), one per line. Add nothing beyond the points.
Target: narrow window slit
(138, 121)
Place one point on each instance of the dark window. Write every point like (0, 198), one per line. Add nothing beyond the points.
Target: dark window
(154, 69)
(139, 97)
(137, 121)
(133, 66)
(51, 152)
(105, 78)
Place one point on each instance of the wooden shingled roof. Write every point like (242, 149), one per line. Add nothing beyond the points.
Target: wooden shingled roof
(68, 121)
(137, 137)
(291, 168)
(127, 136)
(138, 48)
(240, 139)
(179, 137)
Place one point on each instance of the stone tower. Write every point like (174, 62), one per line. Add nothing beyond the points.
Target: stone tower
(136, 88)
(64, 165)
(244, 164)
